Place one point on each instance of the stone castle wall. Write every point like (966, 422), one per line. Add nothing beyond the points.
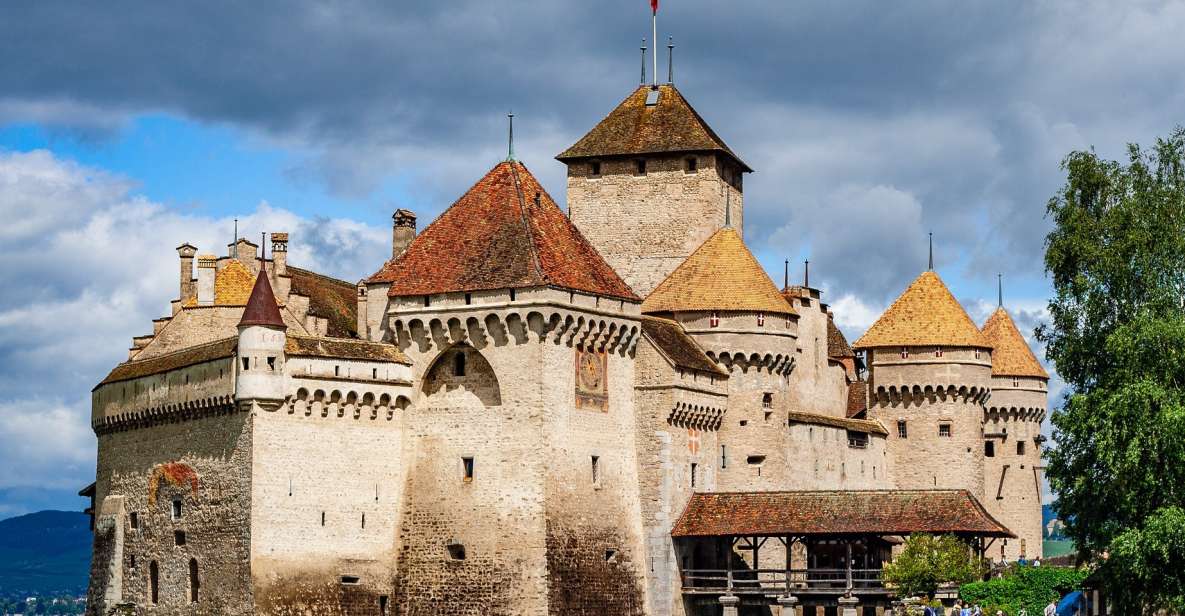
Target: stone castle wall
(1012, 421)
(646, 225)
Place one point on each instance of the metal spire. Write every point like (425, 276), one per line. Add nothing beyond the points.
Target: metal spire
(670, 59)
(510, 139)
(262, 245)
(236, 238)
(654, 34)
(806, 273)
(728, 208)
(643, 48)
(1000, 290)
(931, 251)
(786, 274)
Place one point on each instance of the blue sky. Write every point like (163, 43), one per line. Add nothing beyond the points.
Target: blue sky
(869, 124)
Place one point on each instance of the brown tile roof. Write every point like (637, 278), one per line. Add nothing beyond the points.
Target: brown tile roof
(856, 425)
(677, 346)
(233, 284)
(847, 512)
(329, 298)
(925, 314)
(342, 348)
(261, 306)
(504, 232)
(210, 351)
(837, 343)
(720, 275)
(1011, 355)
(634, 127)
(857, 398)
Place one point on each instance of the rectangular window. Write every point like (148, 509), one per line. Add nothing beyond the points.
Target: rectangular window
(1016, 382)
(134, 518)
(176, 509)
(383, 600)
(857, 440)
(714, 319)
(976, 353)
(641, 166)
(767, 400)
(944, 430)
(246, 363)
(350, 579)
(178, 537)
(467, 468)
(691, 164)
(594, 168)
(1020, 448)
(596, 470)
(271, 363)
(694, 466)
(989, 449)
(904, 353)
(937, 351)
(902, 431)
(760, 319)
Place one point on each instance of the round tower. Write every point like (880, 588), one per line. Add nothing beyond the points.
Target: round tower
(1012, 438)
(929, 373)
(260, 361)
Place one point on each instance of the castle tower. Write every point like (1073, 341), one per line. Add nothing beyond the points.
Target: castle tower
(1012, 437)
(262, 337)
(650, 183)
(929, 372)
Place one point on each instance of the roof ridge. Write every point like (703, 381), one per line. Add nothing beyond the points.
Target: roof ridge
(320, 275)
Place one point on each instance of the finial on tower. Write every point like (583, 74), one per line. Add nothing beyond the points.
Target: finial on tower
(806, 273)
(728, 209)
(931, 251)
(786, 274)
(262, 245)
(1000, 290)
(654, 34)
(670, 59)
(643, 48)
(510, 138)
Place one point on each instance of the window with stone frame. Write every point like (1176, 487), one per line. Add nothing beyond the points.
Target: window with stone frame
(691, 164)
(902, 429)
(944, 430)
(760, 319)
(1020, 448)
(904, 352)
(989, 449)
(767, 400)
(937, 351)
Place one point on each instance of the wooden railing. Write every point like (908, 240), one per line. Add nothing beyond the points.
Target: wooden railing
(788, 581)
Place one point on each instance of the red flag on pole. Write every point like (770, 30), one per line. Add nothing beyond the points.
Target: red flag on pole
(654, 6)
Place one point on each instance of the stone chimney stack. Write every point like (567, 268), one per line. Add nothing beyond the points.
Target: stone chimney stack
(188, 290)
(280, 254)
(247, 253)
(403, 231)
(205, 279)
(362, 311)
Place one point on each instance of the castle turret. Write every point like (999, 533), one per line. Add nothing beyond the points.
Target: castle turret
(262, 337)
(1012, 437)
(650, 183)
(929, 372)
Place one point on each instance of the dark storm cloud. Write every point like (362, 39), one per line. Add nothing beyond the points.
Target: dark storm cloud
(958, 113)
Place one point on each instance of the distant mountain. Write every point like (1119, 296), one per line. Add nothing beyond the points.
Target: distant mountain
(44, 553)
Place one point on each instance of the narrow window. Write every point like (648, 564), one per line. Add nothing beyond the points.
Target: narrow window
(714, 319)
(1015, 382)
(427, 301)
(132, 561)
(176, 509)
(904, 353)
(246, 363)
(153, 582)
(374, 373)
(134, 518)
(1020, 448)
(641, 166)
(322, 518)
(723, 457)
(178, 537)
(976, 353)
(467, 467)
(989, 449)
(364, 520)
(760, 319)
(902, 430)
(694, 466)
(383, 600)
(937, 351)
(459, 364)
(271, 363)
(456, 551)
(596, 471)
(512, 295)
(350, 580)
(468, 298)
(767, 400)
(194, 582)
(691, 164)
(944, 430)
(768, 415)
(594, 168)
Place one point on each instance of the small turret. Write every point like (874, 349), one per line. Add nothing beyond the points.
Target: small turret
(261, 358)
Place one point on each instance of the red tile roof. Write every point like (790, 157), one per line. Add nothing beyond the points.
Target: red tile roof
(672, 340)
(504, 233)
(334, 300)
(837, 343)
(261, 306)
(857, 398)
(1011, 355)
(847, 512)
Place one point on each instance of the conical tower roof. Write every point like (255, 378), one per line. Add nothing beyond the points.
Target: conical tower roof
(1011, 355)
(720, 275)
(504, 233)
(925, 314)
(261, 307)
(669, 125)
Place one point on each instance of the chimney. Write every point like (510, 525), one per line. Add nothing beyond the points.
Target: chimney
(403, 231)
(205, 279)
(362, 313)
(246, 252)
(280, 254)
(188, 292)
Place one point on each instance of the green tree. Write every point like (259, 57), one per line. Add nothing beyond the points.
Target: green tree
(1027, 588)
(1116, 257)
(927, 561)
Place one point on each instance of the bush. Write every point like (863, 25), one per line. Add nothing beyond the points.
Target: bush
(1028, 588)
(928, 561)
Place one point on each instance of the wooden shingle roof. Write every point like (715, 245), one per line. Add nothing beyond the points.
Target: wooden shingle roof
(329, 298)
(633, 127)
(233, 284)
(261, 307)
(836, 512)
(504, 233)
(837, 343)
(720, 275)
(925, 314)
(1011, 355)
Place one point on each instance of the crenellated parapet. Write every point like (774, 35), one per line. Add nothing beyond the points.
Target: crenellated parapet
(745, 361)
(906, 396)
(168, 412)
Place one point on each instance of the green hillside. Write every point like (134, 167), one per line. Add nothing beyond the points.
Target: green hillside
(44, 553)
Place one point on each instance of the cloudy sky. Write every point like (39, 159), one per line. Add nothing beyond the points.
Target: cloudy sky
(126, 130)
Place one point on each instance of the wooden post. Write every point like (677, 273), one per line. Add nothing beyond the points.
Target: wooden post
(789, 549)
(728, 562)
(848, 543)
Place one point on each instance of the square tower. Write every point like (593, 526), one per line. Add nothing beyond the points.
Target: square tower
(650, 183)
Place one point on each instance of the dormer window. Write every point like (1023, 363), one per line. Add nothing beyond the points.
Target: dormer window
(904, 353)
(760, 319)
(937, 351)
(714, 319)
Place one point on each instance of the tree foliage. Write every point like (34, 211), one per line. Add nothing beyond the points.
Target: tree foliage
(927, 561)
(1027, 588)
(1117, 335)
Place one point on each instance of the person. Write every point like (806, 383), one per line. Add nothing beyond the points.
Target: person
(1051, 609)
(954, 610)
(999, 612)
(976, 610)
(1037, 562)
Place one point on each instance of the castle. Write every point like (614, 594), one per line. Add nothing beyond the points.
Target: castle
(612, 410)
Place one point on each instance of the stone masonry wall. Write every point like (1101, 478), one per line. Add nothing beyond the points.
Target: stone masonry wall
(1013, 481)
(646, 225)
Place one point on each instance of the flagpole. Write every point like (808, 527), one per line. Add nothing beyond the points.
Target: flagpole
(654, 37)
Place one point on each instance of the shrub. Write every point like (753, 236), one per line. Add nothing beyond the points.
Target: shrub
(928, 561)
(1028, 588)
